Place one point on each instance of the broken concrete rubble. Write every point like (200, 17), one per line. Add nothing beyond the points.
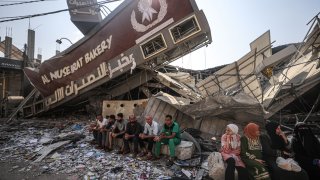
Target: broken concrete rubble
(79, 158)
(210, 115)
(181, 86)
(47, 150)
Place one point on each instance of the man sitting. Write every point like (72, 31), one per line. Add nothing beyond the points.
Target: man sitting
(170, 134)
(133, 130)
(151, 129)
(118, 130)
(106, 130)
(97, 128)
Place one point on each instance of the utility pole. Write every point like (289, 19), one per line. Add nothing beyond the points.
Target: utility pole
(3, 85)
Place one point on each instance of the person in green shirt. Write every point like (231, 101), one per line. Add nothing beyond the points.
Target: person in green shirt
(170, 134)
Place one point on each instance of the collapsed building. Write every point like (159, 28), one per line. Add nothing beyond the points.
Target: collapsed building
(121, 65)
(14, 84)
(106, 58)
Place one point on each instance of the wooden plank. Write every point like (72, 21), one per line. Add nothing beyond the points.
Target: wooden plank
(30, 95)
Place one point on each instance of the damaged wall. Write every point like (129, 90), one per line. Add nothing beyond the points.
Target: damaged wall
(125, 107)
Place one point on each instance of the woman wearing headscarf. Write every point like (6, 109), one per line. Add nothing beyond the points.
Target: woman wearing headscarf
(251, 152)
(275, 144)
(307, 150)
(230, 151)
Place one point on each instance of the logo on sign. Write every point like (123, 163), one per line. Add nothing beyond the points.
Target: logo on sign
(146, 10)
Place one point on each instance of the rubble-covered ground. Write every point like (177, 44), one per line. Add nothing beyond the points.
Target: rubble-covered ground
(23, 141)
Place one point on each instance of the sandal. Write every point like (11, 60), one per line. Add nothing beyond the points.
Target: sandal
(149, 157)
(141, 154)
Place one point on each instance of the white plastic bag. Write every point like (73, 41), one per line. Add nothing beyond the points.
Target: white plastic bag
(216, 166)
(288, 164)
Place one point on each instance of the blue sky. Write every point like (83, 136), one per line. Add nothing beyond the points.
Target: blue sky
(234, 24)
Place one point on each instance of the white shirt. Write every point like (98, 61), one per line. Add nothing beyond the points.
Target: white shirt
(151, 130)
(103, 123)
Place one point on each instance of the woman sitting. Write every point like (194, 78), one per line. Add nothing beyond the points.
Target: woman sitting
(251, 153)
(230, 151)
(275, 144)
(307, 150)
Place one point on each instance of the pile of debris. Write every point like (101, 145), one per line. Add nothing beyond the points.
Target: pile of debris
(68, 151)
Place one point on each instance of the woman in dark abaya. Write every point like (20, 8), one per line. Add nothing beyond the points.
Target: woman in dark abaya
(275, 144)
(307, 150)
(251, 152)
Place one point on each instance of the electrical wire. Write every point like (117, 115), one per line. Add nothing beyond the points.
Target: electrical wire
(13, 1)
(23, 2)
(54, 12)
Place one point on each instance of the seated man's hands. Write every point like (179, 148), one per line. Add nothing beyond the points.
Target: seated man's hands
(126, 136)
(142, 136)
(162, 136)
(157, 138)
(93, 129)
(114, 135)
(260, 161)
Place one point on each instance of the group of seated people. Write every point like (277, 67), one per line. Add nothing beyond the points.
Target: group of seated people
(254, 155)
(257, 156)
(107, 129)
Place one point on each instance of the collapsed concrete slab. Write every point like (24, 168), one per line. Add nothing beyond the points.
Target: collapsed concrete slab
(162, 104)
(297, 76)
(216, 111)
(209, 115)
(239, 76)
(179, 84)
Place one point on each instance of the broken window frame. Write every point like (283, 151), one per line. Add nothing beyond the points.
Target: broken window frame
(157, 51)
(189, 32)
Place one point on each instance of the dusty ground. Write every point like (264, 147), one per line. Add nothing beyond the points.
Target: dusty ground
(19, 141)
(14, 169)
(10, 171)
(77, 160)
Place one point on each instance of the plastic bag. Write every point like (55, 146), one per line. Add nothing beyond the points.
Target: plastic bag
(288, 164)
(216, 166)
